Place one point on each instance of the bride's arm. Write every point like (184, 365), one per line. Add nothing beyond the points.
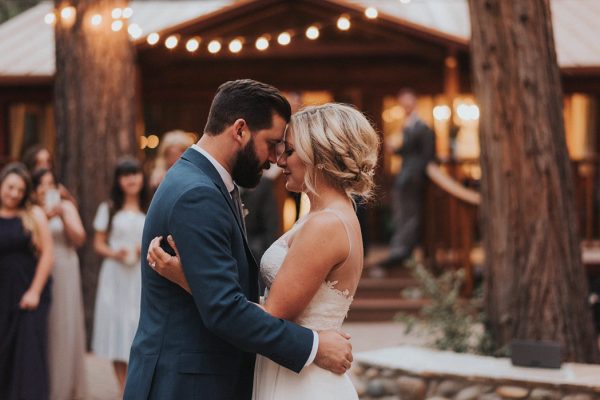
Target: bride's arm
(317, 247)
(166, 265)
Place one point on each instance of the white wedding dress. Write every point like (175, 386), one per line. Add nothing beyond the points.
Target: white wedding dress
(326, 311)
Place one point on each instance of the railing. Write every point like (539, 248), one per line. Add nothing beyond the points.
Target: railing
(451, 224)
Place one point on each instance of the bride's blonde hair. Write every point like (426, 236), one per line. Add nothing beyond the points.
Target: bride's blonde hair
(337, 141)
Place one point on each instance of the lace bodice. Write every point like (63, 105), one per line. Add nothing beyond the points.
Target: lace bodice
(329, 306)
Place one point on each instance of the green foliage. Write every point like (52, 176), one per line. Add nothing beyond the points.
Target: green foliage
(453, 321)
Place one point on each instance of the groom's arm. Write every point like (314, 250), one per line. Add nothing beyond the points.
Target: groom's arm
(200, 225)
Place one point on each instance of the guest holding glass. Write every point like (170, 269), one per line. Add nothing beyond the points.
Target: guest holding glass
(26, 258)
(118, 226)
(66, 332)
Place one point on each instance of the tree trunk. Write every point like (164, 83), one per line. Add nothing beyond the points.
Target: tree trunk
(95, 121)
(535, 283)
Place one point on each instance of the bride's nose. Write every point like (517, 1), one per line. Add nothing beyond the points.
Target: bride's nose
(281, 161)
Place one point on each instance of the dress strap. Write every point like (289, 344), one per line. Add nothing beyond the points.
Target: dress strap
(340, 215)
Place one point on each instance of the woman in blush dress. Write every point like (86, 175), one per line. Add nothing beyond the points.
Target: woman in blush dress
(66, 331)
(330, 153)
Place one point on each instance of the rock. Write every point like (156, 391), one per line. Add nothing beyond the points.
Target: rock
(449, 388)
(490, 396)
(512, 392)
(469, 393)
(371, 373)
(375, 388)
(358, 370)
(388, 373)
(544, 394)
(411, 388)
(390, 386)
(578, 396)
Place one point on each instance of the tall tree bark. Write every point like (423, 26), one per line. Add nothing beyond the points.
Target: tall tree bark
(535, 282)
(95, 121)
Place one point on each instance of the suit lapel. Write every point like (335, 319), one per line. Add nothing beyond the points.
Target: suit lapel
(196, 158)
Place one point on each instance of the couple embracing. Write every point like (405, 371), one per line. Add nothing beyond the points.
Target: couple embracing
(203, 332)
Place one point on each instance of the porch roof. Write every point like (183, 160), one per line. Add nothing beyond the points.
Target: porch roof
(27, 42)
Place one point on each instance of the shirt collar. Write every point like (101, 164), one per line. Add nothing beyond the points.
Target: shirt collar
(411, 120)
(225, 176)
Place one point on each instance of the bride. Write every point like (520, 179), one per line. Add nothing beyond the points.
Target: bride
(311, 273)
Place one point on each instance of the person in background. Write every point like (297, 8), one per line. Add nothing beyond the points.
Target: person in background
(38, 157)
(172, 146)
(417, 150)
(262, 219)
(118, 229)
(26, 258)
(66, 332)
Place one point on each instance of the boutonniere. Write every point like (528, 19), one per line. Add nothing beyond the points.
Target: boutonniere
(245, 211)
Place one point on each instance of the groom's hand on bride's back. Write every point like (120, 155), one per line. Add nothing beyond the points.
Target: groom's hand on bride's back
(334, 352)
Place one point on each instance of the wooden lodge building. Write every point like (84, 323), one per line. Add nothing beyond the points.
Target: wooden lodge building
(422, 44)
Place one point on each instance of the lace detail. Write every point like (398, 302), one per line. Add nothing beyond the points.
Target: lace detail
(327, 309)
(345, 292)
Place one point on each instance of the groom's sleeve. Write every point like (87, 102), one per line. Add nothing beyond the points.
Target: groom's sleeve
(201, 224)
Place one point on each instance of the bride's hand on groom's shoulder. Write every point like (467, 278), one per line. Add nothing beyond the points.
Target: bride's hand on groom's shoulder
(334, 352)
(166, 265)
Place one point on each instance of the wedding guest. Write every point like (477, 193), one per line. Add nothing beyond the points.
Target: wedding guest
(118, 229)
(66, 332)
(26, 258)
(38, 157)
(417, 150)
(172, 146)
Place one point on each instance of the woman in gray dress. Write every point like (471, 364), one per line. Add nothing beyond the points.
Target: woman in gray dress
(66, 336)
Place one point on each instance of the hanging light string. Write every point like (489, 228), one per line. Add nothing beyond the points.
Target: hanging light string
(119, 19)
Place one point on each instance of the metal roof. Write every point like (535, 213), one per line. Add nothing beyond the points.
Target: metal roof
(27, 42)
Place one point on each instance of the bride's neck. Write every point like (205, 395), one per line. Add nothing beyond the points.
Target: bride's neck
(326, 197)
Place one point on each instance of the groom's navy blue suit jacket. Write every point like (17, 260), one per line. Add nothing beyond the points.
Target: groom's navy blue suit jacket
(203, 346)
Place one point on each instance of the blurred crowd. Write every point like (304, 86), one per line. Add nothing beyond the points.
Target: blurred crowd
(42, 333)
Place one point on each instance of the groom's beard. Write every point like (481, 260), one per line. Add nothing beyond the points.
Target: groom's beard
(247, 169)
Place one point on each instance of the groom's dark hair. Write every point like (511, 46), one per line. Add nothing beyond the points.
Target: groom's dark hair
(251, 100)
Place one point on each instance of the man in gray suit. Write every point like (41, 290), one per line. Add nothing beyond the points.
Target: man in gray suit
(417, 150)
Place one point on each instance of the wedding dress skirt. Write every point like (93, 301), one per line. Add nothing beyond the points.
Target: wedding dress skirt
(327, 310)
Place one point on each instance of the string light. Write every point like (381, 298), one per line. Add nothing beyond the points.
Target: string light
(171, 42)
(262, 43)
(153, 38)
(236, 45)
(371, 13)
(343, 23)
(153, 141)
(192, 45)
(312, 32)
(50, 18)
(135, 31)
(214, 46)
(96, 19)
(117, 25)
(284, 38)
(67, 12)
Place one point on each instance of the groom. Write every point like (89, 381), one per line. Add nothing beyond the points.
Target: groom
(204, 345)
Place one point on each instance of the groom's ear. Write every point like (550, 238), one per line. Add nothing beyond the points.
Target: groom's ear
(240, 131)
